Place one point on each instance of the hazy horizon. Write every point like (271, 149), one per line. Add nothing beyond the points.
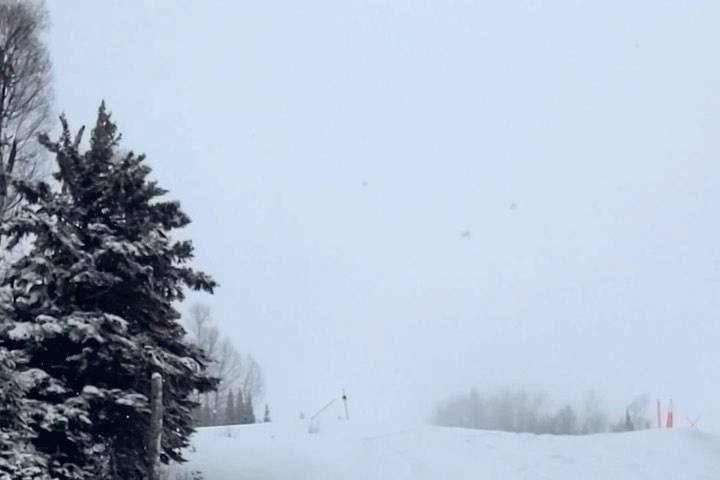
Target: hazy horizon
(410, 199)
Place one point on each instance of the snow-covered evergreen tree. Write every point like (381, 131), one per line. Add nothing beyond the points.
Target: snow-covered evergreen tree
(92, 310)
(18, 459)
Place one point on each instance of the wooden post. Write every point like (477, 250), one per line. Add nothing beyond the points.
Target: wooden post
(154, 440)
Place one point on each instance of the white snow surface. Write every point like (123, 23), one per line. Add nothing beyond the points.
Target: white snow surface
(275, 451)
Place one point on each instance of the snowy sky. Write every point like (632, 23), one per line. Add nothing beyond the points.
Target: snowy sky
(407, 198)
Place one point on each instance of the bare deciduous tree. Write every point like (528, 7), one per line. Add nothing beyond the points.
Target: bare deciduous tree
(233, 369)
(199, 321)
(25, 93)
(253, 382)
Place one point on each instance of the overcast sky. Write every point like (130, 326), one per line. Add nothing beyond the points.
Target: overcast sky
(410, 198)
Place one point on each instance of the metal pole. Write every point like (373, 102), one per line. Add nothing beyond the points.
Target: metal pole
(322, 409)
(313, 427)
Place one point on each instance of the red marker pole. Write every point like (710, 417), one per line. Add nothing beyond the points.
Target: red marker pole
(670, 416)
(659, 414)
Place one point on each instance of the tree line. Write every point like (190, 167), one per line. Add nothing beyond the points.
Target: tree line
(240, 378)
(521, 411)
(237, 410)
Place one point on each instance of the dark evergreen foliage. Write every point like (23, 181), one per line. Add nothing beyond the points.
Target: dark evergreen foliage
(92, 309)
(18, 459)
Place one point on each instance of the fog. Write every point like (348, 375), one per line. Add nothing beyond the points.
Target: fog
(410, 199)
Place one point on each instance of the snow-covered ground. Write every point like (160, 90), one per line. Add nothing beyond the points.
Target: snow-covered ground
(276, 451)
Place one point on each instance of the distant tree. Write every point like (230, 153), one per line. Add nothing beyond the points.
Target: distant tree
(628, 422)
(475, 411)
(506, 410)
(25, 95)
(197, 416)
(249, 410)
(206, 415)
(227, 363)
(266, 417)
(207, 337)
(565, 421)
(240, 408)
(637, 409)
(521, 412)
(233, 369)
(229, 409)
(253, 381)
(634, 418)
(534, 414)
(227, 366)
(503, 411)
(595, 419)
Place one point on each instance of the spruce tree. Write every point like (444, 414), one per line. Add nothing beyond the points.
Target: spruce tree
(92, 310)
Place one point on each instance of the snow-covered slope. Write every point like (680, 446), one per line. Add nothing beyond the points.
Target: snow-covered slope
(271, 451)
